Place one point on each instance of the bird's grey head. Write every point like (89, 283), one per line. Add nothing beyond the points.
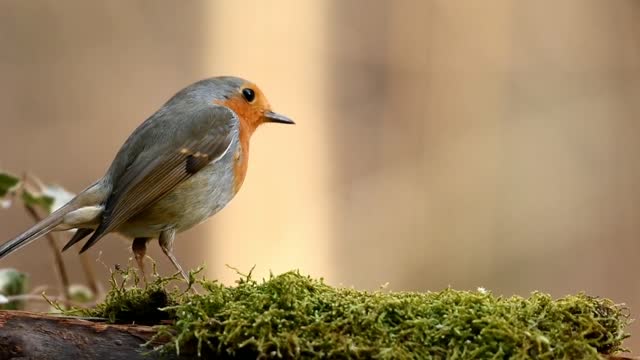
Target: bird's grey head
(239, 95)
(218, 88)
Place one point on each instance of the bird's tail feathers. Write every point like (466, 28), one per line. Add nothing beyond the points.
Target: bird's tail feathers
(84, 202)
(36, 231)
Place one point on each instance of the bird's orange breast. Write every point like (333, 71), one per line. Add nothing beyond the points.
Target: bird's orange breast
(240, 164)
(249, 120)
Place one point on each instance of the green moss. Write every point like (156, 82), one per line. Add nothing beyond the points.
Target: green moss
(295, 316)
(127, 302)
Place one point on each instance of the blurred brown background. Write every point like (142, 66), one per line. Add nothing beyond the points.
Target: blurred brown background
(437, 142)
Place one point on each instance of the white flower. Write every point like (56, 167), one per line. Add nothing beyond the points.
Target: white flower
(60, 196)
(5, 203)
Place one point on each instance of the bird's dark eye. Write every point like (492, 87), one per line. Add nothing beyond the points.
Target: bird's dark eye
(248, 94)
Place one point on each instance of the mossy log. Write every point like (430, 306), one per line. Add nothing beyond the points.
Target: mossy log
(291, 316)
(27, 335)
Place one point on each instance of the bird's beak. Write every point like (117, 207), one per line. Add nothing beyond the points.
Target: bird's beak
(271, 116)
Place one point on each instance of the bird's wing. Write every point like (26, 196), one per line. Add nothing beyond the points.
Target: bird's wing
(175, 154)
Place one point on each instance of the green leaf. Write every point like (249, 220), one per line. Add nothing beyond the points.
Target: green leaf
(37, 200)
(7, 183)
(12, 282)
(80, 293)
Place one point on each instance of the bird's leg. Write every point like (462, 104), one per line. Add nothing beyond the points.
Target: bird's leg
(139, 248)
(166, 244)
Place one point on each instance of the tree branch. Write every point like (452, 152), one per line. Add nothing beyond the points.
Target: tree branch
(29, 335)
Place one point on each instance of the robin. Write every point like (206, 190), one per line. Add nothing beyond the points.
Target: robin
(179, 167)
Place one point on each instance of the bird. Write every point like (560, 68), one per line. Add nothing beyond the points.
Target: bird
(179, 167)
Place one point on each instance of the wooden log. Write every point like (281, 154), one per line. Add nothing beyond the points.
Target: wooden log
(27, 335)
